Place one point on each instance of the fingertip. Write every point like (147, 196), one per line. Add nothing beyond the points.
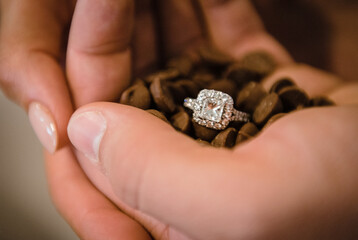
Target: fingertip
(85, 131)
(44, 125)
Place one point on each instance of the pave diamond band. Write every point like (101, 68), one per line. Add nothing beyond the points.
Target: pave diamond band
(214, 109)
(240, 116)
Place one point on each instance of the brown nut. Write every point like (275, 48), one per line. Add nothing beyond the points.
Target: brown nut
(213, 57)
(225, 138)
(191, 88)
(281, 83)
(203, 142)
(246, 132)
(164, 75)
(273, 119)
(269, 106)
(260, 62)
(224, 85)
(181, 121)
(162, 96)
(203, 79)
(137, 96)
(183, 64)
(240, 75)
(178, 92)
(249, 97)
(293, 97)
(320, 101)
(204, 133)
(158, 114)
(253, 67)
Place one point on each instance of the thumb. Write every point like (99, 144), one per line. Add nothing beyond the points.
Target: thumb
(159, 171)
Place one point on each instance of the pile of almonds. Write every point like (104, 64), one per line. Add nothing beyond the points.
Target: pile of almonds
(162, 93)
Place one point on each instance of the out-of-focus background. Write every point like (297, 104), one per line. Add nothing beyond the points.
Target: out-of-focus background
(323, 33)
(26, 211)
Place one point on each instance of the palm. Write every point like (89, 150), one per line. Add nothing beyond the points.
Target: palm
(143, 48)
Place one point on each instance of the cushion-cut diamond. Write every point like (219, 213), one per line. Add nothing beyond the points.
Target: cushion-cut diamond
(212, 109)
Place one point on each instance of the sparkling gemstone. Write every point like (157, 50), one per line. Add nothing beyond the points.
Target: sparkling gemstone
(212, 109)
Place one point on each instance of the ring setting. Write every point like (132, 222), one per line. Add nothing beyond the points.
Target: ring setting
(214, 109)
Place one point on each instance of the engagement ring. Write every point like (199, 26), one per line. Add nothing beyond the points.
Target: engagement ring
(214, 109)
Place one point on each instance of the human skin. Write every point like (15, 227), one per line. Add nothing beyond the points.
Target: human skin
(296, 180)
(275, 193)
(87, 60)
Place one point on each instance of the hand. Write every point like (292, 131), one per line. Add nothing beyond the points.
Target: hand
(35, 39)
(296, 180)
(33, 49)
(237, 39)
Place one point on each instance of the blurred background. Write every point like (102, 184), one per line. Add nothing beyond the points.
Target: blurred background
(26, 211)
(322, 33)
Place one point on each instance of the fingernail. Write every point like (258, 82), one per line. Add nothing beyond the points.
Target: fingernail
(86, 131)
(44, 126)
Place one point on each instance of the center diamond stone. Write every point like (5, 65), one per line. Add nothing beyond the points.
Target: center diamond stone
(212, 109)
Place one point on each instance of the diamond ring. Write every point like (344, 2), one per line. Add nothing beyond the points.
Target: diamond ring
(214, 109)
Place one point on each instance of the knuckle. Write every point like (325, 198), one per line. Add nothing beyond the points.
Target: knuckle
(8, 83)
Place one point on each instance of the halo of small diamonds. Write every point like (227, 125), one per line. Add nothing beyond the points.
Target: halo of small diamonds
(212, 109)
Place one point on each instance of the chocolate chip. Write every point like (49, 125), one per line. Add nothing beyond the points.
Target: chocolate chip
(292, 97)
(137, 96)
(158, 114)
(164, 75)
(225, 138)
(162, 96)
(181, 121)
(282, 83)
(274, 118)
(224, 85)
(269, 106)
(246, 132)
(249, 97)
(204, 133)
(320, 101)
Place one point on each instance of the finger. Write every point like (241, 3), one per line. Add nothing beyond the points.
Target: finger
(236, 29)
(180, 26)
(150, 180)
(346, 94)
(99, 57)
(145, 46)
(156, 229)
(88, 211)
(313, 81)
(30, 73)
(233, 195)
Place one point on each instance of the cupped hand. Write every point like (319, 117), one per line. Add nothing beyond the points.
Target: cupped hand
(296, 180)
(233, 27)
(54, 58)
